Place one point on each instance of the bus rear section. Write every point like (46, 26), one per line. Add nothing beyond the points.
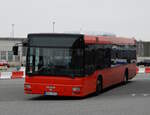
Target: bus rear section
(76, 65)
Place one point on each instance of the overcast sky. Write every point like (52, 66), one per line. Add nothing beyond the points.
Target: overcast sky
(128, 18)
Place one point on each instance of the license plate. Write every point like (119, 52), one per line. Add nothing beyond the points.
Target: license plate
(51, 93)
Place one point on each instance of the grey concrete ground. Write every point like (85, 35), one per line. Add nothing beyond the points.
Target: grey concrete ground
(130, 99)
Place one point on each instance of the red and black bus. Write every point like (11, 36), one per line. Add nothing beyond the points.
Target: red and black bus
(77, 64)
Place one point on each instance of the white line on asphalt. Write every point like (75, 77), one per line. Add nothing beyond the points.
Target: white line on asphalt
(142, 94)
(133, 94)
(145, 95)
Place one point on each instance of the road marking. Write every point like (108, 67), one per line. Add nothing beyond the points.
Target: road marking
(133, 94)
(145, 95)
(142, 94)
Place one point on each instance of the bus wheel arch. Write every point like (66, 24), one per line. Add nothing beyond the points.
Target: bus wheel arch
(99, 85)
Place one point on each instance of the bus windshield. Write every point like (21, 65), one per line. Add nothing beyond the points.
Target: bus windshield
(55, 61)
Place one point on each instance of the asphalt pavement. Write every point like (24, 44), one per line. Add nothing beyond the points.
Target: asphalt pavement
(130, 99)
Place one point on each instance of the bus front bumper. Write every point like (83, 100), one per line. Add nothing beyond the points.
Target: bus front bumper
(54, 89)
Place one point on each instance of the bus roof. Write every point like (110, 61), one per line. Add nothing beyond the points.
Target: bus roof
(46, 34)
(93, 39)
(109, 40)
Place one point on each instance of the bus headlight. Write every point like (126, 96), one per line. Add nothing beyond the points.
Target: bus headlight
(76, 89)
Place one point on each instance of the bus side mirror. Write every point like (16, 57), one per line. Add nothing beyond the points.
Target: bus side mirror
(15, 50)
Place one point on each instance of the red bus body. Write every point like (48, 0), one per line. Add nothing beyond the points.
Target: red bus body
(64, 85)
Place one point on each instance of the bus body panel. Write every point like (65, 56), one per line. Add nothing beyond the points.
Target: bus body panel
(117, 74)
(63, 85)
(132, 70)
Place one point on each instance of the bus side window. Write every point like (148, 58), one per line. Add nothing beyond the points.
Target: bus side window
(114, 56)
(89, 59)
(102, 58)
(99, 56)
(107, 57)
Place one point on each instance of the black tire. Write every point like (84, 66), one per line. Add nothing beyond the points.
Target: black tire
(125, 80)
(98, 86)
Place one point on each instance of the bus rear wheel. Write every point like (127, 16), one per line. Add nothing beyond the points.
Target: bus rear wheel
(98, 86)
(125, 80)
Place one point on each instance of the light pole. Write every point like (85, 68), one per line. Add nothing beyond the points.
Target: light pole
(13, 31)
(53, 26)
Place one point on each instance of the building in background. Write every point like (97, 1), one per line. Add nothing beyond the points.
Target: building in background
(143, 51)
(6, 53)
